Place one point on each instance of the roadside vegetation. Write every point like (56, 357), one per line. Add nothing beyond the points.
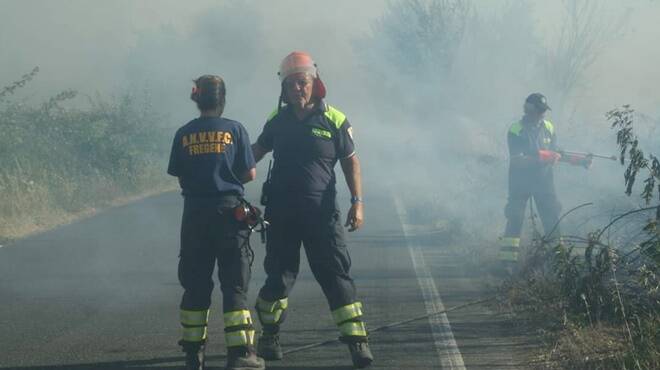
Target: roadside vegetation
(60, 161)
(596, 296)
(470, 68)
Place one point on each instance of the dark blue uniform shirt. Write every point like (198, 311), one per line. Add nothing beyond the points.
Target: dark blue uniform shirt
(208, 154)
(305, 152)
(527, 139)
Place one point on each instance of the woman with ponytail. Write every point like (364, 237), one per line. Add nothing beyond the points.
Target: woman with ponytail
(212, 158)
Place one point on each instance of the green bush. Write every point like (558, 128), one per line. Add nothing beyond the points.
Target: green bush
(600, 294)
(56, 158)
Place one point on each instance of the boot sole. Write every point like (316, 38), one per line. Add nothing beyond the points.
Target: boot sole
(363, 364)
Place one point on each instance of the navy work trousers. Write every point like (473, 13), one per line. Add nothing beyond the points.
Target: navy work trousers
(547, 205)
(316, 225)
(209, 235)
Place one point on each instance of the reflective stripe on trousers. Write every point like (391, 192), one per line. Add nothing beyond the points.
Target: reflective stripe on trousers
(269, 312)
(194, 325)
(509, 248)
(239, 330)
(349, 320)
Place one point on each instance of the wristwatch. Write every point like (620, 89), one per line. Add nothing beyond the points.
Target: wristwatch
(356, 200)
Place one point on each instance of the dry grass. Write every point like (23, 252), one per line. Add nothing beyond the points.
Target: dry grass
(42, 219)
(576, 348)
(594, 311)
(61, 163)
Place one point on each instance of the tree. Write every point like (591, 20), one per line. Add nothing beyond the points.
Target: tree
(638, 163)
(584, 33)
(415, 40)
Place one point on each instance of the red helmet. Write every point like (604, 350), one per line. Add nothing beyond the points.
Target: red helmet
(297, 62)
(302, 62)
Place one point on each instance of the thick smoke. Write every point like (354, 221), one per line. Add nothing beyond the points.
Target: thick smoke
(430, 121)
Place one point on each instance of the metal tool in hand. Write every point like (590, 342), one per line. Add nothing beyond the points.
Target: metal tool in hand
(252, 217)
(592, 155)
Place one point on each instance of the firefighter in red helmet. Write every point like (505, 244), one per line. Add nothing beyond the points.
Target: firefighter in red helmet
(307, 138)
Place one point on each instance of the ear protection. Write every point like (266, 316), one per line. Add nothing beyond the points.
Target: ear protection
(318, 88)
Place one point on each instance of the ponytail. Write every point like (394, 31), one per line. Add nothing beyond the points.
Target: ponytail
(209, 93)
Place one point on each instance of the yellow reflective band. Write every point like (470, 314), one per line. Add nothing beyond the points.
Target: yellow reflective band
(236, 318)
(509, 242)
(353, 329)
(335, 116)
(549, 126)
(516, 128)
(270, 317)
(194, 334)
(508, 256)
(194, 317)
(239, 338)
(347, 312)
(266, 306)
(272, 115)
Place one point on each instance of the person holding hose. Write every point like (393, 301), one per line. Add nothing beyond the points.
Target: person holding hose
(533, 153)
(212, 158)
(307, 138)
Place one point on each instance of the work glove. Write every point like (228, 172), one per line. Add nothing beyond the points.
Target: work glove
(549, 156)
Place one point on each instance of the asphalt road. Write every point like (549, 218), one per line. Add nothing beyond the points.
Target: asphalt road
(103, 294)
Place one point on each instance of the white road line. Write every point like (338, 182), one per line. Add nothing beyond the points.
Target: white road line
(445, 344)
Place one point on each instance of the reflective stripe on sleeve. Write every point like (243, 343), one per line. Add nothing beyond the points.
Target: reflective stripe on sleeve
(335, 116)
(350, 155)
(549, 126)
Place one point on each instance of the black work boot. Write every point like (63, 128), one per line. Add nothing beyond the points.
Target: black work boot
(244, 358)
(194, 355)
(360, 352)
(269, 347)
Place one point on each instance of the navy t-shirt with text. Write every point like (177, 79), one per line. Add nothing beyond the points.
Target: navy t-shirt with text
(209, 154)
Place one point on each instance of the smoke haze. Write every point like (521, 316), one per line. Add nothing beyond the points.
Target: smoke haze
(435, 134)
